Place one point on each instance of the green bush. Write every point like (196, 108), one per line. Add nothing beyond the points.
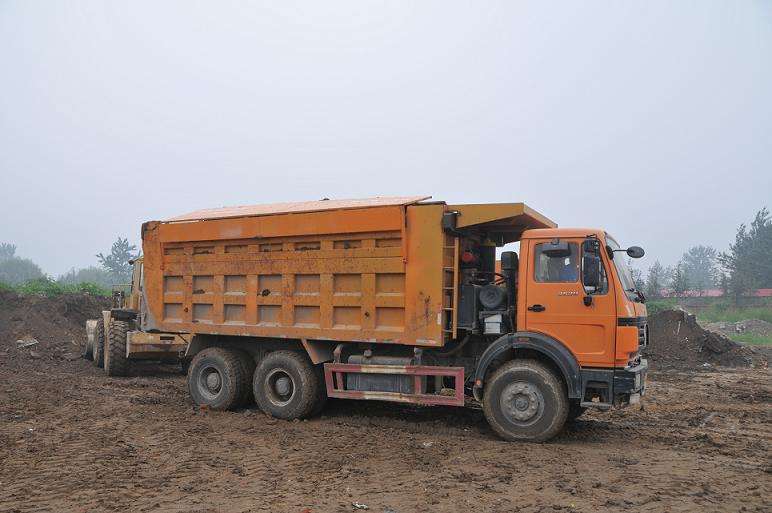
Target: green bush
(48, 287)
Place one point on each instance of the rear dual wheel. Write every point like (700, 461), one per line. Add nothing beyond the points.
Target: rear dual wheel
(220, 378)
(285, 384)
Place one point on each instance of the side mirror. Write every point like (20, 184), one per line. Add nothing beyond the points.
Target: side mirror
(509, 261)
(591, 270)
(635, 252)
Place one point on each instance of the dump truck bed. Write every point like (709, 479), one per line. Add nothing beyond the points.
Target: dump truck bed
(379, 270)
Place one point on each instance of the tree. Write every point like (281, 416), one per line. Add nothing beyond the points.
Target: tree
(117, 262)
(638, 280)
(700, 268)
(748, 263)
(680, 283)
(656, 278)
(7, 250)
(15, 270)
(91, 274)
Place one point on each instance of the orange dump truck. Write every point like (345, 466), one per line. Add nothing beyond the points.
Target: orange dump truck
(395, 299)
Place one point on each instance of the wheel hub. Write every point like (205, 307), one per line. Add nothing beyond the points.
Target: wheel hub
(521, 402)
(212, 381)
(283, 385)
(280, 387)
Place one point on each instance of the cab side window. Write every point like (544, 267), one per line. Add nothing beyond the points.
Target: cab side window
(556, 262)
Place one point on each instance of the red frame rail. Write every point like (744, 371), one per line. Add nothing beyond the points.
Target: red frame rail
(334, 379)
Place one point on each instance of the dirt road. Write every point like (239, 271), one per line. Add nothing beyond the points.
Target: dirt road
(72, 439)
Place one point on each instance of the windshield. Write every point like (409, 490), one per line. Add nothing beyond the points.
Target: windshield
(623, 270)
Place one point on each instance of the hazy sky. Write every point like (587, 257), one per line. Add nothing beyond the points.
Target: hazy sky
(650, 119)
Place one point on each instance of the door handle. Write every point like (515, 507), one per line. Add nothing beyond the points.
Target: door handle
(536, 308)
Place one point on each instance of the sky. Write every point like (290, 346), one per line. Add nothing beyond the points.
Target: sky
(650, 119)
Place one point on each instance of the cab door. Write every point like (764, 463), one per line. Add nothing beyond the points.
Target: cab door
(560, 306)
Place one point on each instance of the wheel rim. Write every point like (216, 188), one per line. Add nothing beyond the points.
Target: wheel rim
(210, 382)
(280, 387)
(522, 403)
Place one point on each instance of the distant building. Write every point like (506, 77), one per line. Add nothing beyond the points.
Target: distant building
(714, 293)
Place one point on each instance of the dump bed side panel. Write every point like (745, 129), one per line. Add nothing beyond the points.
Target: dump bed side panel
(352, 275)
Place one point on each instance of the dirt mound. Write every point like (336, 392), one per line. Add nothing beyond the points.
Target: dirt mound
(678, 342)
(57, 324)
(750, 326)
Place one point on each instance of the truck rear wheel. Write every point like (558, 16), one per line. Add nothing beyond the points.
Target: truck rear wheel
(216, 378)
(116, 362)
(99, 344)
(247, 371)
(286, 385)
(525, 401)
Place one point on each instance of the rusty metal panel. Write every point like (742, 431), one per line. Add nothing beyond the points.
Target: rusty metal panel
(283, 225)
(334, 379)
(359, 271)
(295, 207)
(140, 344)
(505, 215)
(342, 275)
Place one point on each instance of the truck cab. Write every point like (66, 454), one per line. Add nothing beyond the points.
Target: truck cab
(576, 289)
(564, 306)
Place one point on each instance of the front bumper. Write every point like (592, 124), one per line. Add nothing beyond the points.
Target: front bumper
(607, 388)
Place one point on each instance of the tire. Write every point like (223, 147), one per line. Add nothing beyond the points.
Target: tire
(575, 410)
(247, 371)
(216, 378)
(99, 344)
(116, 363)
(525, 401)
(321, 398)
(87, 349)
(286, 385)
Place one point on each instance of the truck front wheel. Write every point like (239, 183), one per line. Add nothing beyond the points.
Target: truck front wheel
(216, 378)
(575, 410)
(286, 385)
(525, 401)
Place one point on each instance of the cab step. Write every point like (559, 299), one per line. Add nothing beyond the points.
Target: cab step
(600, 406)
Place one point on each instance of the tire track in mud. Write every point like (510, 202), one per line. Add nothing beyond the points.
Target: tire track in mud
(138, 444)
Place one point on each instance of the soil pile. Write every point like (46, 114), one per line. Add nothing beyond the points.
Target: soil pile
(48, 327)
(676, 341)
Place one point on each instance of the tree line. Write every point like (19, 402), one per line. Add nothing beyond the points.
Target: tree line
(744, 267)
(111, 269)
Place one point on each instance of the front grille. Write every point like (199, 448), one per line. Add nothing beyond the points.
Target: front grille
(643, 335)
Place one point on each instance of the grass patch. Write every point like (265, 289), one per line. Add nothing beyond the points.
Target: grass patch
(654, 306)
(751, 339)
(50, 288)
(719, 313)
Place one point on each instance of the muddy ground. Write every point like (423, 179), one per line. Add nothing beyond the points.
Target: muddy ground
(72, 439)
